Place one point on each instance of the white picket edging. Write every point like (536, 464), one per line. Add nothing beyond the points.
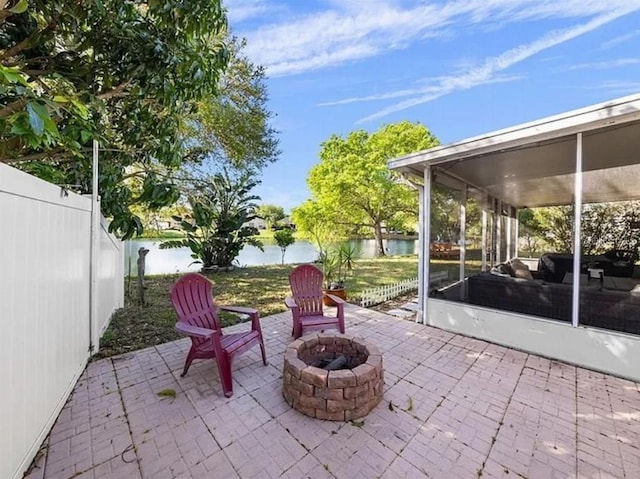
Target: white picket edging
(384, 293)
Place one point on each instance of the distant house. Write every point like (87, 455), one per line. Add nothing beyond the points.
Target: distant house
(258, 223)
(287, 223)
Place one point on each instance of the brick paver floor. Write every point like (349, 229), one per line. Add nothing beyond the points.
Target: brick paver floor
(454, 407)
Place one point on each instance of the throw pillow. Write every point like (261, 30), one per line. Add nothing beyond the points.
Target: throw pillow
(520, 269)
(502, 269)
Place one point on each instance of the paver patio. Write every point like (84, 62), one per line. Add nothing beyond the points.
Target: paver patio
(461, 408)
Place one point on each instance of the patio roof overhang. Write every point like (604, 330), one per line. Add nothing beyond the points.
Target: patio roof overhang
(534, 164)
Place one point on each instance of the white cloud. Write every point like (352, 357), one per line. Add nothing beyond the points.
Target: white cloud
(433, 88)
(605, 65)
(355, 29)
(620, 88)
(240, 10)
(492, 66)
(620, 39)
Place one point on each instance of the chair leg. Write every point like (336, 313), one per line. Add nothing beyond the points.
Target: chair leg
(224, 368)
(297, 328)
(187, 363)
(264, 354)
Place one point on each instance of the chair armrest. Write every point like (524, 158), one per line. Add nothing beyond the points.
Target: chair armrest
(238, 309)
(251, 312)
(196, 331)
(335, 299)
(290, 302)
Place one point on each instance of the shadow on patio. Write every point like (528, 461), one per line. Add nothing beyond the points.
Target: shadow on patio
(461, 408)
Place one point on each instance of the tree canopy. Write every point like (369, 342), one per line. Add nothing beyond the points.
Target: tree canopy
(604, 226)
(352, 187)
(154, 82)
(271, 214)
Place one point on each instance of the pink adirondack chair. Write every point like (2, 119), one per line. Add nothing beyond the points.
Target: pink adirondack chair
(306, 303)
(198, 318)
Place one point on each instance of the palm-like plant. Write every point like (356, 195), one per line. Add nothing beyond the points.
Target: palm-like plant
(217, 231)
(337, 263)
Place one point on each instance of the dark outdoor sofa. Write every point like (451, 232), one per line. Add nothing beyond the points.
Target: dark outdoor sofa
(609, 309)
(617, 262)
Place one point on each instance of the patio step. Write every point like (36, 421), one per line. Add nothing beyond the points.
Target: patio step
(406, 311)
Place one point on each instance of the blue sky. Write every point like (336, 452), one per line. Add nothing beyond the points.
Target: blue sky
(461, 68)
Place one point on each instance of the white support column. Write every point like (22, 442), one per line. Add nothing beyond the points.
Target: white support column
(508, 233)
(485, 205)
(577, 256)
(498, 217)
(494, 229)
(516, 234)
(427, 241)
(463, 237)
(421, 252)
(94, 256)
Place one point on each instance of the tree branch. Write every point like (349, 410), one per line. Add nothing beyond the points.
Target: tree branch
(347, 223)
(13, 107)
(14, 50)
(24, 44)
(37, 156)
(116, 92)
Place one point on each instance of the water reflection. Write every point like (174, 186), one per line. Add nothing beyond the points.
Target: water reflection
(165, 261)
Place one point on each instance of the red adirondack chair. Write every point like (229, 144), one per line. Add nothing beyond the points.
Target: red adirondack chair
(198, 318)
(306, 303)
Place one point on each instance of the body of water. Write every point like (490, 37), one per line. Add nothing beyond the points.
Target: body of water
(167, 261)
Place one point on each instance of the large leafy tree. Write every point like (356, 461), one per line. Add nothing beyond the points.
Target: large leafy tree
(232, 129)
(352, 186)
(143, 77)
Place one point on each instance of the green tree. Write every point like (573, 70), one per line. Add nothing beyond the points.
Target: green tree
(232, 129)
(144, 78)
(284, 239)
(352, 186)
(220, 210)
(531, 230)
(311, 221)
(604, 226)
(271, 214)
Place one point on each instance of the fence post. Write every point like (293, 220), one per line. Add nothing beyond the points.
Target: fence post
(94, 258)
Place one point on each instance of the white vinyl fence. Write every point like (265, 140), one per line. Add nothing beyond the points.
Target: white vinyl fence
(46, 313)
(384, 293)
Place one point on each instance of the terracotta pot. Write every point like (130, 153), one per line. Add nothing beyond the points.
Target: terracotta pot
(340, 293)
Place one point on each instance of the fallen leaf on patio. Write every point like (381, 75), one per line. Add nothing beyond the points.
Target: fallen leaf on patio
(169, 393)
(410, 408)
(390, 406)
(357, 423)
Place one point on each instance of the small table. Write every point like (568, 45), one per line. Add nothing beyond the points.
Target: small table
(595, 273)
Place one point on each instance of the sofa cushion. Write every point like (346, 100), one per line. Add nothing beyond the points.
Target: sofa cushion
(503, 269)
(520, 269)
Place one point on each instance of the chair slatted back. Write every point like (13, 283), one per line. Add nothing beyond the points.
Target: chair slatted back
(192, 299)
(306, 286)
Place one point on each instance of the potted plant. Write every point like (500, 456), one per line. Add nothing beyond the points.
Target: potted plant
(337, 264)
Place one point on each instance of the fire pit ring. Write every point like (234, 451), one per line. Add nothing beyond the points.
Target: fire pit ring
(336, 395)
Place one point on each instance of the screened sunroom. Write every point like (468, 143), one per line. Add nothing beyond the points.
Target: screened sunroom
(577, 304)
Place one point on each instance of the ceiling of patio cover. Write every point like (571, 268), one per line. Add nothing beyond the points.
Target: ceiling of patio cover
(534, 164)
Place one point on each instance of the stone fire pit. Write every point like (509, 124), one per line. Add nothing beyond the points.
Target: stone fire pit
(335, 395)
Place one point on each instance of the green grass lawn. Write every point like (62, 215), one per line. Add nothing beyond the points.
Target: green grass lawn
(262, 287)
